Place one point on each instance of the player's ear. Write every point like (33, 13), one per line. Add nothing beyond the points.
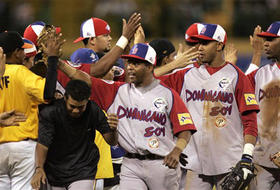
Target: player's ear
(220, 46)
(92, 41)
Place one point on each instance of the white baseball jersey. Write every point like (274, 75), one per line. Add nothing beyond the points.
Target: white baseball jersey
(266, 81)
(149, 117)
(215, 103)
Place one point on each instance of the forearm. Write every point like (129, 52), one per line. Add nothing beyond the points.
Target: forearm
(51, 78)
(102, 67)
(250, 139)
(256, 59)
(73, 73)
(182, 140)
(111, 138)
(165, 69)
(41, 155)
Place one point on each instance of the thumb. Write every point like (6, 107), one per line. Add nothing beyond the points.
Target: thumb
(124, 22)
(11, 112)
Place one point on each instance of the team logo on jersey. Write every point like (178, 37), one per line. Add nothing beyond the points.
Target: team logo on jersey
(160, 104)
(220, 122)
(224, 83)
(184, 118)
(250, 99)
(153, 142)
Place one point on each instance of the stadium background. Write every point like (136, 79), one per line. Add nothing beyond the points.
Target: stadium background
(160, 18)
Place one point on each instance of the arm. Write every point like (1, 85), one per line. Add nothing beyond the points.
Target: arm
(101, 68)
(11, 118)
(257, 44)
(40, 158)
(73, 73)
(186, 58)
(52, 48)
(2, 62)
(172, 159)
(230, 54)
(112, 137)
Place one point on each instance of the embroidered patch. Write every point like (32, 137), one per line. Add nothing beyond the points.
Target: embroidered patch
(160, 104)
(224, 83)
(250, 99)
(184, 118)
(153, 142)
(220, 122)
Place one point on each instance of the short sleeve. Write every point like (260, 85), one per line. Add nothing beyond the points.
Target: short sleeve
(33, 84)
(174, 80)
(100, 88)
(46, 127)
(245, 95)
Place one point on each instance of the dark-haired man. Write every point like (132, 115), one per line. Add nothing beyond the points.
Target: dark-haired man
(154, 125)
(266, 81)
(66, 152)
(222, 103)
(22, 91)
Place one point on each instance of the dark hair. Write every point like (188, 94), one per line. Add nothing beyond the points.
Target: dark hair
(163, 48)
(85, 41)
(78, 90)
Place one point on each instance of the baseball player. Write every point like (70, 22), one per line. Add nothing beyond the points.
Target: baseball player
(266, 83)
(22, 91)
(223, 106)
(151, 116)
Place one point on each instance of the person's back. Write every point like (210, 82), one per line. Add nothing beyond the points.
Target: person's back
(22, 90)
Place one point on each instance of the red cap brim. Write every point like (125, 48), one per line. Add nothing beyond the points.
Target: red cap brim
(191, 40)
(26, 45)
(267, 34)
(202, 37)
(79, 39)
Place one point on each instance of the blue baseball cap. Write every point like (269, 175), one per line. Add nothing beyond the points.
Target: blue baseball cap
(142, 52)
(272, 31)
(84, 55)
(213, 32)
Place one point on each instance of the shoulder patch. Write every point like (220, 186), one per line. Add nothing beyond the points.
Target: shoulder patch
(184, 118)
(250, 99)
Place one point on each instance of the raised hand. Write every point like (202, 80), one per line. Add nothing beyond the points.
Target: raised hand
(139, 36)
(186, 58)
(256, 41)
(53, 46)
(130, 27)
(230, 53)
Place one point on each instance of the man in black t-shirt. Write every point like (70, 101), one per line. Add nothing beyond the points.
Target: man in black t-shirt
(66, 153)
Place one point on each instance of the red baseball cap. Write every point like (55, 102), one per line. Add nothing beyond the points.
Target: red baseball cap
(93, 27)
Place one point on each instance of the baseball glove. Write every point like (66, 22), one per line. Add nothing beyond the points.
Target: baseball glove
(239, 177)
(275, 158)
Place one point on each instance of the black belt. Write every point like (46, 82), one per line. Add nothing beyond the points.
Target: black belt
(143, 157)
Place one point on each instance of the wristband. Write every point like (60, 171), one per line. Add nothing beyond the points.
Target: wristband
(248, 149)
(122, 42)
(181, 144)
